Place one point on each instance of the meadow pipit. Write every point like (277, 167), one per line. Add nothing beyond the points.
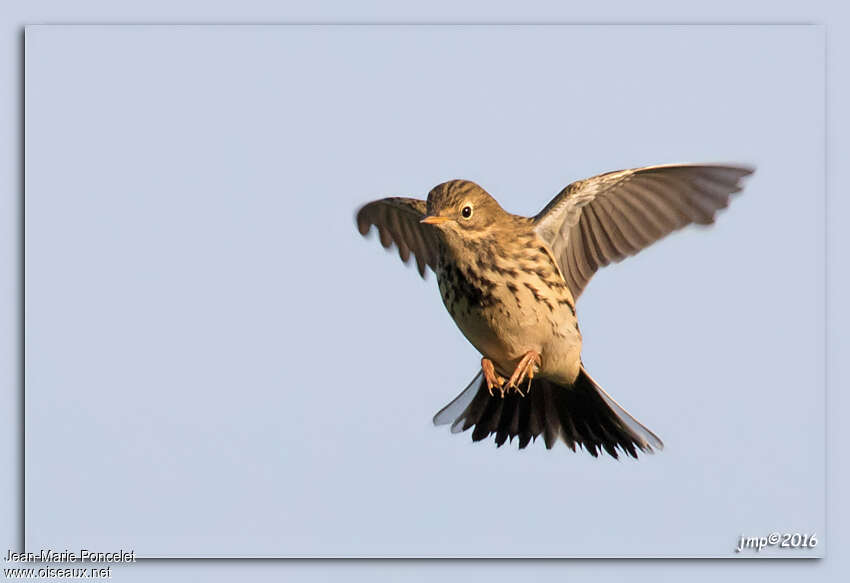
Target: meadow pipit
(510, 284)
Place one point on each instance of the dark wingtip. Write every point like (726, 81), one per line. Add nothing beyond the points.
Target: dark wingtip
(420, 266)
(363, 224)
(745, 169)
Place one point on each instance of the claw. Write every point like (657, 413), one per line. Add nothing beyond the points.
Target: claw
(525, 368)
(493, 380)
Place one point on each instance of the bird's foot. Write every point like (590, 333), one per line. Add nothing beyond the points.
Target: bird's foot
(494, 381)
(525, 368)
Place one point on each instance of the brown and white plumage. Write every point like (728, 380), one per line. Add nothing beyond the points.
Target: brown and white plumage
(510, 284)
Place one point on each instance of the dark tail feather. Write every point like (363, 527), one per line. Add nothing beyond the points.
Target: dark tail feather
(579, 415)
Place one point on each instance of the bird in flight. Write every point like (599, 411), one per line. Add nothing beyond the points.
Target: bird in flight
(510, 283)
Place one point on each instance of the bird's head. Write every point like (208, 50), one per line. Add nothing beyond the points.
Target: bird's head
(460, 208)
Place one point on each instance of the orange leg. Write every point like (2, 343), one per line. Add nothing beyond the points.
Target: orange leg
(493, 380)
(525, 368)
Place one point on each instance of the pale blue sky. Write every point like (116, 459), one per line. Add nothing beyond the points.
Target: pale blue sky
(214, 350)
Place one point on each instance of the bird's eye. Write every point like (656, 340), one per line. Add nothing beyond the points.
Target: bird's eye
(466, 212)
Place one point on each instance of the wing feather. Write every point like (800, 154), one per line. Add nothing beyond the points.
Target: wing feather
(614, 228)
(397, 220)
(629, 231)
(609, 217)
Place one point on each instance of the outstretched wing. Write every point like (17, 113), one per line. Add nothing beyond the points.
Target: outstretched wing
(397, 221)
(609, 217)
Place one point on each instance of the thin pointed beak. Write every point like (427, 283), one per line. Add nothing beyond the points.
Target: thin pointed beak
(434, 220)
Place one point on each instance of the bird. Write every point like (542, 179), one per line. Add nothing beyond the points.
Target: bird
(510, 283)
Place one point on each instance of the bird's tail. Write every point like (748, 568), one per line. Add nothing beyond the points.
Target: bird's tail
(582, 414)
